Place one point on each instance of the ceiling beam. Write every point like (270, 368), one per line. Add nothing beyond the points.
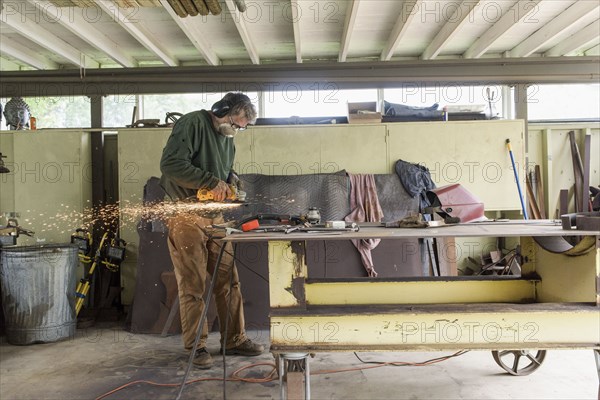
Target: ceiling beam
(32, 31)
(78, 25)
(189, 26)
(359, 75)
(25, 55)
(137, 31)
(520, 11)
(296, 25)
(449, 30)
(584, 39)
(593, 51)
(9, 65)
(407, 14)
(351, 11)
(240, 24)
(556, 27)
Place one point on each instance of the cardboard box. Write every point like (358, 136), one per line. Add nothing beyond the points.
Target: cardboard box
(363, 113)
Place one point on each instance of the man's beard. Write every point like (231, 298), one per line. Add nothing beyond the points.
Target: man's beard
(226, 130)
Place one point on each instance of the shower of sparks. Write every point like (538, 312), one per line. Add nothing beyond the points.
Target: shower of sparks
(106, 217)
(127, 214)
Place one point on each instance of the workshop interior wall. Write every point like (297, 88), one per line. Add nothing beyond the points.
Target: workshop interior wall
(50, 183)
(139, 159)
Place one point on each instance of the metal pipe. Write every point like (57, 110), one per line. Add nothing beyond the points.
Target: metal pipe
(306, 378)
(281, 372)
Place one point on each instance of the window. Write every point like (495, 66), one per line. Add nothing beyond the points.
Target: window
(157, 106)
(325, 101)
(117, 110)
(563, 102)
(477, 98)
(58, 112)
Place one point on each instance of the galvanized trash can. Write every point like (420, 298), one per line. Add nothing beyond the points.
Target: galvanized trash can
(38, 292)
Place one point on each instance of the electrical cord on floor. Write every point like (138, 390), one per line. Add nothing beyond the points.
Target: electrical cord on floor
(412, 364)
(272, 375)
(234, 378)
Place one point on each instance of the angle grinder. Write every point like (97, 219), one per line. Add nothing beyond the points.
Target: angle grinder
(236, 196)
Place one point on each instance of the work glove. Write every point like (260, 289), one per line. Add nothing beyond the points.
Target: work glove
(234, 179)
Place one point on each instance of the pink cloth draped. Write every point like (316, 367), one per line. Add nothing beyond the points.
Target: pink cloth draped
(365, 207)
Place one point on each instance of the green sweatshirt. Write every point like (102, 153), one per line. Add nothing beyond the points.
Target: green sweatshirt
(195, 156)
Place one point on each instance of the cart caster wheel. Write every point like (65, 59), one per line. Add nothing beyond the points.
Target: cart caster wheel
(519, 362)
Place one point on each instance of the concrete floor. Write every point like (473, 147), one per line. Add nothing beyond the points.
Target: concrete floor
(101, 359)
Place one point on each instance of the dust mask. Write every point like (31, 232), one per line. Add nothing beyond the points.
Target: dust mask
(227, 130)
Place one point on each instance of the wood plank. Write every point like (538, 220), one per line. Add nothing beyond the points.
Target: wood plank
(577, 171)
(541, 199)
(446, 248)
(531, 198)
(550, 186)
(563, 204)
(585, 190)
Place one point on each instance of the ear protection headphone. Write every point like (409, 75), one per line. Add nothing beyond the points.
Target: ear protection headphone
(222, 107)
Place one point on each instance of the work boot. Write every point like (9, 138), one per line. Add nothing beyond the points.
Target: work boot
(202, 358)
(247, 348)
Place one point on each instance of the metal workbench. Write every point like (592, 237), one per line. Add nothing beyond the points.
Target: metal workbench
(554, 304)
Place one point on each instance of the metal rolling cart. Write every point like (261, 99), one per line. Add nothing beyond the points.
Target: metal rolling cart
(554, 304)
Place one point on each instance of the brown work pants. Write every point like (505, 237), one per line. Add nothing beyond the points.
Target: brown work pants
(194, 257)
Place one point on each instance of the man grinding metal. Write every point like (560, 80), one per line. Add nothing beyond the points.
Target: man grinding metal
(199, 156)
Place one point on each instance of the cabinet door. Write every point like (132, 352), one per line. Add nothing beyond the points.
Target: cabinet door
(53, 181)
